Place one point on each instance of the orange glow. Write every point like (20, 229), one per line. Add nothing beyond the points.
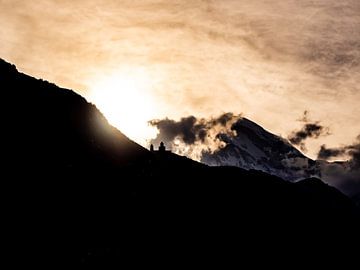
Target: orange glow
(124, 98)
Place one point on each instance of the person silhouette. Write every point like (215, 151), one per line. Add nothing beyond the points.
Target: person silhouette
(162, 147)
(151, 147)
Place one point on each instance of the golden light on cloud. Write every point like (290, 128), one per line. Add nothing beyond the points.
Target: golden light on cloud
(270, 60)
(123, 97)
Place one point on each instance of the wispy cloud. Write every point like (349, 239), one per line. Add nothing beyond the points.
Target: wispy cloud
(310, 130)
(268, 59)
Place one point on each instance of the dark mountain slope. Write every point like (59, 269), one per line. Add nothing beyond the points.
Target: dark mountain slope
(56, 127)
(72, 184)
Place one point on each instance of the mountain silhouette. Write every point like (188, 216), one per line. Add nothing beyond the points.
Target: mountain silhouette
(86, 195)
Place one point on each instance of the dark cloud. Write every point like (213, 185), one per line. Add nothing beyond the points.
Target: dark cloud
(224, 119)
(190, 130)
(340, 175)
(187, 129)
(353, 151)
(202, 134)
(309, 130)
(344, 175)
(326, 153)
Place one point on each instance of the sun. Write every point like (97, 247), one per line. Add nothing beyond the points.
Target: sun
(124, 97)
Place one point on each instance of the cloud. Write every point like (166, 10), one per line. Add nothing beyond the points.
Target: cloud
(205, 57)
(327, 153)
(187, 129)
(346, 175)
(342, 176)
(352, 151)
(309, 130)
(192, 136)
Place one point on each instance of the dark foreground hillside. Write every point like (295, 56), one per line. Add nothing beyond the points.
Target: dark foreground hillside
(77, 192)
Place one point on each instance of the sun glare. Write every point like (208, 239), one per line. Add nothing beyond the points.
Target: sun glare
(124, 97)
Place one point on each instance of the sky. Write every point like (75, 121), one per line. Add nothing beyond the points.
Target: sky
(141, 60)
